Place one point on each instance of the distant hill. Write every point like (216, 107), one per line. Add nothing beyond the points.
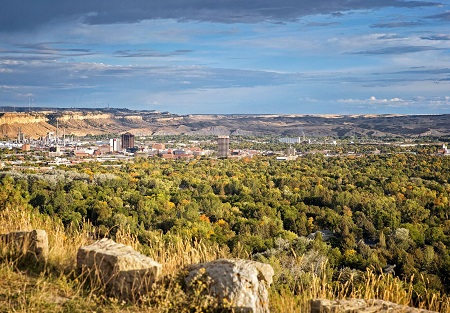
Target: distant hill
(101, 121)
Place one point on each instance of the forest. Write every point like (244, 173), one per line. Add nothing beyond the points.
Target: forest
(343, 214)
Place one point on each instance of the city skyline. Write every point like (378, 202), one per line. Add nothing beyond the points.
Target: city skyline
(286, 57)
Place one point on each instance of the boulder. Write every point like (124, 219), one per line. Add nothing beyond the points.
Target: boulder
(361, 306)
(32, 245)
(240, 285)
(125, 273)
(326, 234)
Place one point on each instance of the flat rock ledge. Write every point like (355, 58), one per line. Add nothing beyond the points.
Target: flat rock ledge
(361, 306)
(240, 285)
(32, 245)
(125, 273)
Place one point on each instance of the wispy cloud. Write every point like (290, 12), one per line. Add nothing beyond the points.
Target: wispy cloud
(30, 13)
(148, 53)
(436, 37)
(325, 24)
(397, 24)
(46, 49)
(238, 55)
(423, 71)
(398, 50)
(441, 16)
(390, 36)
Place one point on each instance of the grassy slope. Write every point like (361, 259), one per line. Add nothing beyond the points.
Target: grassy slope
(58, 288)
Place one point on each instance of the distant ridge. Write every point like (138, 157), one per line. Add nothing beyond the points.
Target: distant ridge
(97, 121)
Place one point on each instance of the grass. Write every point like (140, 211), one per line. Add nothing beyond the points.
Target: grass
(59, 288)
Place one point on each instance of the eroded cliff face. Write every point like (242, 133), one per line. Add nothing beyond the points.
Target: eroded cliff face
(79, 123)
(134, 118)
(33, 125)
(80, 116)
(117, 121)
(22, 118)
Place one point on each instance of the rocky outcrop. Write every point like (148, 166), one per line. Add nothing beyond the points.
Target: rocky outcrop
(137, 118)
(33, 125)
(240, 285)
(115, 121)
(360, 306)
(68, 116)
(22, 118)
(125, 273)
(31, 245)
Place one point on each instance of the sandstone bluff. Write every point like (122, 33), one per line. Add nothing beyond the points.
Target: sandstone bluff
(80, 122)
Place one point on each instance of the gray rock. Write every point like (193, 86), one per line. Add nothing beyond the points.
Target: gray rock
(240, 285)
(361, 306)
(125, 273)
(32, 245)
(326, 234)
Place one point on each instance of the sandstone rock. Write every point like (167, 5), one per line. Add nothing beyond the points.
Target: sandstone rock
(125, 273)
(32, 245)
(241, 285)
(360, 306)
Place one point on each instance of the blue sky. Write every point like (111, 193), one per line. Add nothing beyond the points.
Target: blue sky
(228, 56)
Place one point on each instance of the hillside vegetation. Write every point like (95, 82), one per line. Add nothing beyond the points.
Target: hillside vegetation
(380, 210)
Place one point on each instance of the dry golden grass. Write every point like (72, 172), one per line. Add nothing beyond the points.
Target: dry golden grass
(179, 253)
(58, 287)
(373, 286)
(63, 242)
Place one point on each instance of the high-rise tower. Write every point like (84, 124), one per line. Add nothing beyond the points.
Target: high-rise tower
(223, 149)
(127, 141)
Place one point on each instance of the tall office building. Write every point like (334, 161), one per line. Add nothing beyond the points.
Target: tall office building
(127, 141)
(115, 145)
(223, 149)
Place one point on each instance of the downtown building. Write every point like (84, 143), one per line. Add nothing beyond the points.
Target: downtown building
(127, 141)
(223, 146)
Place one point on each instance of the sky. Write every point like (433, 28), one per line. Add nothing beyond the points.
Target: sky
(227, 56)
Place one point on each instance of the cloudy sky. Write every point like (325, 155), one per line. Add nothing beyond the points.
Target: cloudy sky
(227, 56)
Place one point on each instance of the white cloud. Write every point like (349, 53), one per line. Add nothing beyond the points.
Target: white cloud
(372, 100)
(396, 102)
